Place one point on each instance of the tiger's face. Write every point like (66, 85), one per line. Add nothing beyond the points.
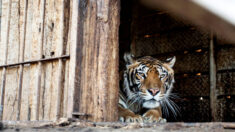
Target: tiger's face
(147, 80)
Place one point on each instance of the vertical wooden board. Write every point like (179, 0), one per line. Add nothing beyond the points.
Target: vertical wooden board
(53, 104)
(52, 32)
(67, 25)
(29, 30)
(0, 17)
(58, 11)
(97, 67)
(65, 91)
(25, 94)
(32, 91)
(46, 92)
(49, 28)
(1, 79)
(52, 38)
(14, 34)
(67, 41)
(10, 102)
(27, 80)
(36, 33)
(3, 30)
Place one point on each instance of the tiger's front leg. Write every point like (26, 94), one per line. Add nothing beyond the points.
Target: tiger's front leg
(153, 115)
(126, 115)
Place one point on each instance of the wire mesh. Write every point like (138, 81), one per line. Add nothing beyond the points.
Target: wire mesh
(226, 109)
(193, 109)
(192, 85)
(171, 42)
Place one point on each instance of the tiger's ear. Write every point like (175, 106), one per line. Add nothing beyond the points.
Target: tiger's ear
(171, 61)
(129, 58)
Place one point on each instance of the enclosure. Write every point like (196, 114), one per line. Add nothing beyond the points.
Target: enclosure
(161, 34)
(61, 58)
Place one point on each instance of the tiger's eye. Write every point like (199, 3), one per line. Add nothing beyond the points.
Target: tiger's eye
(162, 76)
(141, 74)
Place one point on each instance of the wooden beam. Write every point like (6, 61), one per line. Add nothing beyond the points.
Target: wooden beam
(22, 48)
(73, 57)
(60, 66)
(39, 72)
(5, 59)
(95, 68)
(213, 95)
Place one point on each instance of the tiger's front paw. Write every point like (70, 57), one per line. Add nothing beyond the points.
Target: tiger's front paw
(131, 119)
(152, 119)
(153, 116)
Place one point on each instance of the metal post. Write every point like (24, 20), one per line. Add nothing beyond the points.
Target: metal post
(213, 95)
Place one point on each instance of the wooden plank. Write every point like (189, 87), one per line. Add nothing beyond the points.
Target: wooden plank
(16, 35)
(10, 101)
(40, 54)
(35, 49)
(64, 103)
(213, 94)
(0, 17)
(25, 110)
(67, 40)
(96, 68)
(74, 57)
(5, 59)
(33, 106)
(22, 50)
(25, 113)
(60, 65)
(54, 45)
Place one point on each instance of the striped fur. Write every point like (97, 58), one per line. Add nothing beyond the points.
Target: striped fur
(147, 84)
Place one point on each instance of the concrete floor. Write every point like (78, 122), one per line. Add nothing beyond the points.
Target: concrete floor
(82, 126)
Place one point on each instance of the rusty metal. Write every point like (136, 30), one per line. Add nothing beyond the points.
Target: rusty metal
(36, 61)
(80, 114)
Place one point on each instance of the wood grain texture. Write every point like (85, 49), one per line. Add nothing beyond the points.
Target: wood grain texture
(96, 59)
(98, 52)
(5, 43)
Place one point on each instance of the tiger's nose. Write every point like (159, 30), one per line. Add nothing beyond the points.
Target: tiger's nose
(153, 91)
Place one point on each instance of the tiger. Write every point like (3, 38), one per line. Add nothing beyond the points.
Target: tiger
(146, 90)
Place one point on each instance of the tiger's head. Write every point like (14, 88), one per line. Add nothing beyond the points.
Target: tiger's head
(148, 81)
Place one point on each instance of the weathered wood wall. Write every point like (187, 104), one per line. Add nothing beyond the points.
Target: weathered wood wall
(97, 84)
(87, 83)
(50, 35)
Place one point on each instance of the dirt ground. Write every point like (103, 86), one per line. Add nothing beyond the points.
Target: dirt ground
(69, 125)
